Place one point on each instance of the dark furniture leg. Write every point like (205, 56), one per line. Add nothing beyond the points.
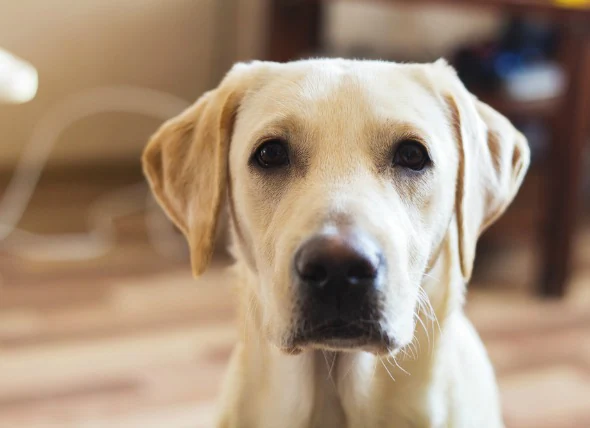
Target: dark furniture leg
(294, 29)
(565, 166)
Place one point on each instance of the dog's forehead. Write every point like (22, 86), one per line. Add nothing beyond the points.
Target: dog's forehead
(332, 80)
(319, 90)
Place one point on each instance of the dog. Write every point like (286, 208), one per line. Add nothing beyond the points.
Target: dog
(356, 192)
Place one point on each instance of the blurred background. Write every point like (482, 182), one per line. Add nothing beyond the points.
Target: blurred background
(101, 323)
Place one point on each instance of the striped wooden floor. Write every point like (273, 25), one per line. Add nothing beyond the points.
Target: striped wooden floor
(130, 340)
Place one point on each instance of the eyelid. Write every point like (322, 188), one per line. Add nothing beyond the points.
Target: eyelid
(414, 139)
(269, 137)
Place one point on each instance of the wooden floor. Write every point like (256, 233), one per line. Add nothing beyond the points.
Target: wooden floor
(130, 340)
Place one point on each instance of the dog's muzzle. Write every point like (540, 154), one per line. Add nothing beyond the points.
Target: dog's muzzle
(339, 277)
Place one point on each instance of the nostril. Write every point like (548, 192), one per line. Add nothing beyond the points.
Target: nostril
(314, 272)
(362, 270)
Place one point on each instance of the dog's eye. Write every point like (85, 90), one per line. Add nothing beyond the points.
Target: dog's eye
(272, 154)
(411, 154)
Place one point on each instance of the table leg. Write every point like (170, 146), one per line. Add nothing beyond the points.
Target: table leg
(294, 29)
(565, 167)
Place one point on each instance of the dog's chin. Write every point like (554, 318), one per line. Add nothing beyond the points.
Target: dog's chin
(342, 337)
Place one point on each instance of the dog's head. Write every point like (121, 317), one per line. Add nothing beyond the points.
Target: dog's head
(344, 179)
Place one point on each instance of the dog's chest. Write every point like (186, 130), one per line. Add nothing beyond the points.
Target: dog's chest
(327, 411)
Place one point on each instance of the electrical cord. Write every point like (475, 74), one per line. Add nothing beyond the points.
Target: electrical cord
(101, 237)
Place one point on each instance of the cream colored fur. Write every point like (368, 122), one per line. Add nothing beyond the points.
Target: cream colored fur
(342, 118)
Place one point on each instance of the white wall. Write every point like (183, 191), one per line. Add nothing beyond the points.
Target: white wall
(168, 45)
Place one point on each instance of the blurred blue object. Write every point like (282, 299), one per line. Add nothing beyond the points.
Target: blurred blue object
(523, 44)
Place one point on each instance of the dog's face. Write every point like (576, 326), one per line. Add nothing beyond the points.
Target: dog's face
(344, 179)
(342, 185)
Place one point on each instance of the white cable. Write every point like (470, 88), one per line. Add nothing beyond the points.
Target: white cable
(18, 194)
(82, 246)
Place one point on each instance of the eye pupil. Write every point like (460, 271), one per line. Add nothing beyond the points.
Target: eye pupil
(411, 154)
(272, 154)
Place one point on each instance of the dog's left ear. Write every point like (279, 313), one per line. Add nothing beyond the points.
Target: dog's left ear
(186, 161)
(493, 159)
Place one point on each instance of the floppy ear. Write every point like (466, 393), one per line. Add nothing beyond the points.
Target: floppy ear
(493, 159)
(186, 162)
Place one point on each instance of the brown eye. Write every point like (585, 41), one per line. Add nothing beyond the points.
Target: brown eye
(411, 154)
(272, 154)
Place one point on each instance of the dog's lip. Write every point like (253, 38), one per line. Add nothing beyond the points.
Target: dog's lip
(338, 335)
(341, 329)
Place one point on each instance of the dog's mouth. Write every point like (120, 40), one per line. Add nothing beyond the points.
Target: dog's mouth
(342, 335)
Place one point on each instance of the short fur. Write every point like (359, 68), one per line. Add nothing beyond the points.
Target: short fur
(342, 119)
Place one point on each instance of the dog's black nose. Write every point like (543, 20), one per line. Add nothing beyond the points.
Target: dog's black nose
(338, 265)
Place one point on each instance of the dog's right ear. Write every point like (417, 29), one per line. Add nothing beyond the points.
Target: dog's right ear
(186, 161)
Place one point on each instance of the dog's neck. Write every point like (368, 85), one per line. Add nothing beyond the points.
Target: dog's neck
(336, 389)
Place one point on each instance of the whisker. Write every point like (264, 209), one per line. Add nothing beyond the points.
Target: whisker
(332, 366)
(412, 347)
(398, 366)
(386, 369)
(432, 312)
(374, 370)
(405, 353)
(432, 277)
(326, 359)
(425, 331)
(347, 372)
(429, 312)
(328, 367)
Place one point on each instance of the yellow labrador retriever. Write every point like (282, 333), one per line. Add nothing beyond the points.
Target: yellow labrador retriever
(356, 193)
